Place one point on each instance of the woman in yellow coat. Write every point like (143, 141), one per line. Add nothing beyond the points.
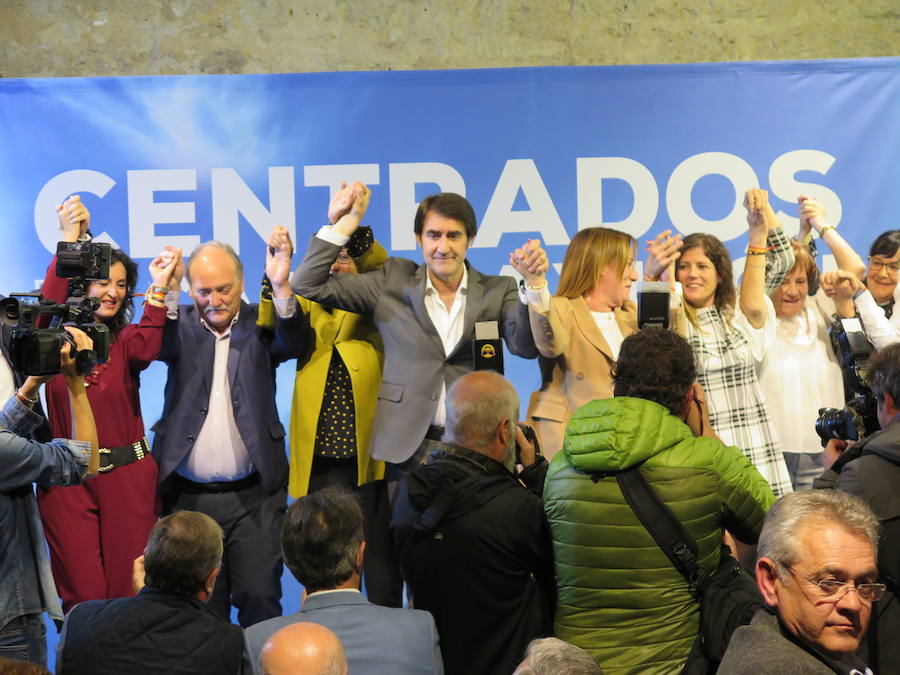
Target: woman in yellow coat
(330, 426)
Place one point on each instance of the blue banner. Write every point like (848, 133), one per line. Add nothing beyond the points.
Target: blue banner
(538, 151)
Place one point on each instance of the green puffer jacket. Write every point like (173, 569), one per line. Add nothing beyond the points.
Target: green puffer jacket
(619, 597)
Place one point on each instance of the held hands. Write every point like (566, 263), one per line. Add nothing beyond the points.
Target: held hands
(812, 216)
(756, 202)
(167, 269)
(841, 285)
(279, 249)
(340, 203)
(531, 262)
(662, 253)
(349, 204)
(74, 218)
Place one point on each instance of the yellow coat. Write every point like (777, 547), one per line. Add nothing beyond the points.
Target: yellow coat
(357, 340)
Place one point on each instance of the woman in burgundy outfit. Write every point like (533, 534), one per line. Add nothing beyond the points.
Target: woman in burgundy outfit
(96, 530)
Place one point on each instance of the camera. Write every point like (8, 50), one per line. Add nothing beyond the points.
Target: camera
(532, 438)
(34, 350)
(859, 417)
(83, 259)
(37, 323)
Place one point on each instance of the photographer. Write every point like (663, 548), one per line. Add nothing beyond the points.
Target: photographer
(95, 531)
(871, 469)
(26, 588)
(472, 539)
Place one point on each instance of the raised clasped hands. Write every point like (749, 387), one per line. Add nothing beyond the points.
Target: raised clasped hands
(662, 252)
(279, 249)
(349, 205)
(167, 269)
(74, 218)
(812, 215)
(531, 262)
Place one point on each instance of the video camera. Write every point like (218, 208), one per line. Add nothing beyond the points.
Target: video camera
(37, 323)
(859, 417)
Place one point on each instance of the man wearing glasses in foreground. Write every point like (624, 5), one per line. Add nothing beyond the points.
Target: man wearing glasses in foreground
(817, 575)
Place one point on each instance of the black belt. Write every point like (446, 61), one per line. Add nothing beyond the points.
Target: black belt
(434, 433)
(110, 458)
(195, 488)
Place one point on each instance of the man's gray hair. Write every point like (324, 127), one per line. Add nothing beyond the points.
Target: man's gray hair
(222, 246)
(472, 420)
(550, 656)
(778, 539)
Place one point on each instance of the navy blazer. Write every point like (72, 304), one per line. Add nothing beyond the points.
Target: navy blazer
(377, 640)
(189, 350)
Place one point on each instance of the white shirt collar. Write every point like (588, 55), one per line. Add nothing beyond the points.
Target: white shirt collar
(463, 284)
(216, 333)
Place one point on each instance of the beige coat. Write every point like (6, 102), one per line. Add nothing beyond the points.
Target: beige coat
(576, 365)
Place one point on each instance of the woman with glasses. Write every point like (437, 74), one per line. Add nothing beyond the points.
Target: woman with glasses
(800, 373)
(731, 333)
(579, 340)
(874, 297)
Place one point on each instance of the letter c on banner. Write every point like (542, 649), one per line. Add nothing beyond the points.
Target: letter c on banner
(681, 183)
(55, 191)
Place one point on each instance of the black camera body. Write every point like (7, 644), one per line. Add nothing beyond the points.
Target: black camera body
(83, 259)
(859, 417)
(37, 332)
(37, 323)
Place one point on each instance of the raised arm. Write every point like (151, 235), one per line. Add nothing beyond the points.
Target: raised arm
(549, 336)
(753, 282)
(312, 279)
(812, 217)
(142, 342)
(74, 221)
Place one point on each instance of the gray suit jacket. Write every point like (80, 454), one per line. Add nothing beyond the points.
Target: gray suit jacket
(377, 640)
(415, 365)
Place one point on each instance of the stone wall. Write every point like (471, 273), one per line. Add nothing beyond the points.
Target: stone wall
(158, 37)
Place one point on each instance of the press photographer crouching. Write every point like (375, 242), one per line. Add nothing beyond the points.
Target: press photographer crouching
(26, 586)
(870, 469)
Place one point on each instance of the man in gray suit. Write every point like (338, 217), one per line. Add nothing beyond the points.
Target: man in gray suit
(323, 545)
(426, 314)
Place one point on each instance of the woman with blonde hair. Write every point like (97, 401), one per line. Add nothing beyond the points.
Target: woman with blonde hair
(579, 337)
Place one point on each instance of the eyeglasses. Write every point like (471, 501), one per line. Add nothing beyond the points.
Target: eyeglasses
(876, 265)
(343, 258)
(835, 590)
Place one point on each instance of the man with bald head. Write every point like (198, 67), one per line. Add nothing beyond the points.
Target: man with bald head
(219, 443)
(471, 533)
(304, 647)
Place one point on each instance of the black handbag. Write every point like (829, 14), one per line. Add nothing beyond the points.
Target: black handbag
(728, 597)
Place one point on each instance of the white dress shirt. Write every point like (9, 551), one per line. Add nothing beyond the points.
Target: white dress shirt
(219, 453)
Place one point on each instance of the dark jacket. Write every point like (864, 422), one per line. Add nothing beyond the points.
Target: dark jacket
(475, 550)
(189, 350)
(871, 470)
(764, 646)
(150, 633)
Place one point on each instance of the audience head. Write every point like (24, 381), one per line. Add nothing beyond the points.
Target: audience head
(816, 567)
(883, 377)
(322, 540)
(704, 270)
(216, 279)
(599, 264)
(444, 228)
(116, 294)
(884, 264)
(789, 298)
(303, 648)
(482, 412)
(656, 365)
(183, 555)
(552, 656)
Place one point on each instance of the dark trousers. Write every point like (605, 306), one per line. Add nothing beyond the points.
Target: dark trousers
(381, 574)
(250, 578)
